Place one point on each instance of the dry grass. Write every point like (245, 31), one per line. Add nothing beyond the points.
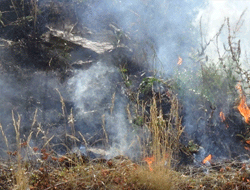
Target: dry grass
(122, 173)
(163, 147)
(20, 177)
(162, 178)
(165, 131)
(52, 171)
(117, 173)
(230, 174)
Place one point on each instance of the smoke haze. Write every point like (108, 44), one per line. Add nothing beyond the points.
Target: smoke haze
(213, 16)
(171, 28)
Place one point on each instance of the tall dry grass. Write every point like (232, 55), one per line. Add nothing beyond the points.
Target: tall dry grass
(161, 143)
(162, 147)
(21, 177)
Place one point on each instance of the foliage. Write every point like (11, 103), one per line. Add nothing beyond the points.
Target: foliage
(125, 76)
(210, 85)
(147, 84)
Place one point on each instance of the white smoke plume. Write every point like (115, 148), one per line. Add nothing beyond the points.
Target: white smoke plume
(171, 27)
(92, 92)
(165, 24)
(213, 16)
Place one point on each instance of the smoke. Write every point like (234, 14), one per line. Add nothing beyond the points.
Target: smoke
(164, 25)
(213, 16)
(92, 92)
(101, 105)
(199, 124)
(32, 94)
(167, 25)
(170, 28)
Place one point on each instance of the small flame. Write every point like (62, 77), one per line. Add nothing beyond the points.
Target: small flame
(207, 159)
(223, 118)
(247, 148)
(179, 60)
(238, 87)
(242, 107)
(149, 160)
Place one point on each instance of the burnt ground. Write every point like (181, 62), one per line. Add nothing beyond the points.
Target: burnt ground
(40, 57)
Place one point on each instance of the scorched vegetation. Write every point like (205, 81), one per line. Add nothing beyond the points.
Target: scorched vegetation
(87, 102)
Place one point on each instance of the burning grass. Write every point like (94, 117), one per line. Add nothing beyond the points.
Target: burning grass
(122, 173)
(116, 173)
(42, 168)
(156, 169)
(159, 164)
(223, 174)
(243, 107)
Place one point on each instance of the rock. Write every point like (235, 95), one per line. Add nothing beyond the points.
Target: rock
(76, 40)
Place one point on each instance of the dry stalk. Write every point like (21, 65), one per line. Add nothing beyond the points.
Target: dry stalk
(156, 149)
(39, 130)
(230, 42)
(34, 119)
(175, 128)
(62, 102)
(29, 137)
(137, 104)
(84, 140)
(63, 113)
(139, 108)
(165, 133)
(47, 142)
(5, 138)
(104, 130)
(21, 179)
(129, 114)
(72, 125)
(72, 137)
(113, 104)
(239, 22)
(71, 122)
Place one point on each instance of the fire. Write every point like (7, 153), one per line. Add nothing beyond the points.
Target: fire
(149, 160)
(207, 159)
(179, 60)
(247, 148)
(223, 118)
(242, 107)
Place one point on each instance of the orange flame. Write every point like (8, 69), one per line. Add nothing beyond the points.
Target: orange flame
(247, 148)
(242, 107)
(179, 60)
(223, 118)
(149, 160)
(207, 159)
